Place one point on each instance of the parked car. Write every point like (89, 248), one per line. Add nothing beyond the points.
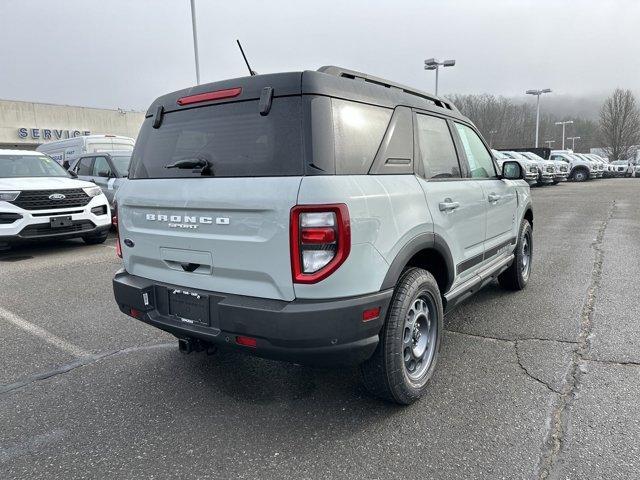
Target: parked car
(579, 169)
(67, 151)
(605, 163)
(560, 169)
(597, 165)
(619, 168)
(106, 169)
(291, 216)
(546, 169)
(530, 167)
(40, 200)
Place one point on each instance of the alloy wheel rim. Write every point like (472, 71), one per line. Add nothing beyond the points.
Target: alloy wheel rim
(419, 337)
(526, 255)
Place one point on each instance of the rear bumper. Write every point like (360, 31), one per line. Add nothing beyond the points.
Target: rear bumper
(327, 332)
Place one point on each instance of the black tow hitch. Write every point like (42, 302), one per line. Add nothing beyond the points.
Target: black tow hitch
(188, 345)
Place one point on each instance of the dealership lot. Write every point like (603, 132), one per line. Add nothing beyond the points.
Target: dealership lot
(536, 384)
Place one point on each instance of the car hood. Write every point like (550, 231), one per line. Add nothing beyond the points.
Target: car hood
(42, 183)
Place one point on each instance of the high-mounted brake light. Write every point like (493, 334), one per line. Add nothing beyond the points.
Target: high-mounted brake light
(320, 241)
(209, 96)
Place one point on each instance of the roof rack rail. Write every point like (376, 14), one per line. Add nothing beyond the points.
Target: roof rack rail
(352, 74)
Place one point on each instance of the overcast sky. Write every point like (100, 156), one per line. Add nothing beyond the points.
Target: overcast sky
(124, 53)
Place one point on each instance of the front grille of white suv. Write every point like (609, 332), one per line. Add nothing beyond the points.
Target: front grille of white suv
(51, 199)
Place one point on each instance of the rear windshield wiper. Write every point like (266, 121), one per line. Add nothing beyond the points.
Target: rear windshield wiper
(197, 165)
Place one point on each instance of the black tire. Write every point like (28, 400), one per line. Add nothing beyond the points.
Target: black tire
(386, 374)
(95, 239)
(580, 175)
(517, 275)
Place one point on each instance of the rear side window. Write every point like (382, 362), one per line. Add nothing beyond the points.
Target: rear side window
(84, 166)
(101, 165)
(234, 138)
(359, 130)
(480, 161)
(436, 148)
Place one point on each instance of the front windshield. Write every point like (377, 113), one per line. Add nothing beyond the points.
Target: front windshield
(13, 166)
(121, 164)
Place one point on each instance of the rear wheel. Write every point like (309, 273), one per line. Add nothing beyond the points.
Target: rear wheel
(95, 239)
(407, 353)
(517, 275)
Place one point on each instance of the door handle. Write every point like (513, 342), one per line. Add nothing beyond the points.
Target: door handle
(494, 197)
(448, 205)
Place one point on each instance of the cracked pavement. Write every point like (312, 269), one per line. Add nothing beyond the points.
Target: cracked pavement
(536, 384)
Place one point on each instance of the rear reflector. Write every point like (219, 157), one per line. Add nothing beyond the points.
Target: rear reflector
(135, 313)
(209, 96)
(246, 341)
(370, 314)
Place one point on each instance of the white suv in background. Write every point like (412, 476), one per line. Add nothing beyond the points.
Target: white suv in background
(41, 200)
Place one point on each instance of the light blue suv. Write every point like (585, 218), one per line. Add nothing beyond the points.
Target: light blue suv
(324, 217)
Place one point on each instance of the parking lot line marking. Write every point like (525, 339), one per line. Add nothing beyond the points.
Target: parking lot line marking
(41, 333)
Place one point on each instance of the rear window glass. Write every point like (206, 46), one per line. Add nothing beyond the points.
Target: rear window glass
(234, 138)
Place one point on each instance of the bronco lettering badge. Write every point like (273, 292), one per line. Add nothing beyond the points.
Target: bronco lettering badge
(188, 222)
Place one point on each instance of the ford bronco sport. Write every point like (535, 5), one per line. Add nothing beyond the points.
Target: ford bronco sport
(322, 217)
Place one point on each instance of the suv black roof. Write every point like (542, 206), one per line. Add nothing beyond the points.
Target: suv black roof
(329, 81)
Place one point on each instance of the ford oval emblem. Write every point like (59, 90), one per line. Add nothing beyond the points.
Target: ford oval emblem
(57, 196)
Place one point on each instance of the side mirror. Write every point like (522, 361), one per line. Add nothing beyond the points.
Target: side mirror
(72, 173)
(512, 170)
(104, 174)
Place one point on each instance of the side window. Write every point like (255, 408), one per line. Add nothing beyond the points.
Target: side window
(359, 130)
(84, 166)
(101, 166)
(480, 162)
(436, 148)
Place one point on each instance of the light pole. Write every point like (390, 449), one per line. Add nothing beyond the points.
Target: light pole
(564, 124)
(549, 142)
(573, 141)
(537, 93)
(491, 134)
(195, 39)
(434, 64)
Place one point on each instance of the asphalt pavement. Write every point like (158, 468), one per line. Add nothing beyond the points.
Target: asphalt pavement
(542, 383)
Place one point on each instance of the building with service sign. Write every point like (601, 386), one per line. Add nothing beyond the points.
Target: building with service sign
(25, 125)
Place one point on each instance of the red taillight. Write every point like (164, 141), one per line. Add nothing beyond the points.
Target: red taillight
(370, 314)
(209, 96)
(318, 235)
(320, 240)
(135, 313)
(246, 341)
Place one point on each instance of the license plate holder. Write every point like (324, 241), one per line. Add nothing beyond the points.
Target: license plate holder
(189, 307)
(61, 222)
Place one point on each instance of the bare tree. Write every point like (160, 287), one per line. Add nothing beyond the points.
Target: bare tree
(620, 124)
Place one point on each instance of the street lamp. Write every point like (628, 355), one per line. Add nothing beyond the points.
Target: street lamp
(537, 93)
(564, 124)
(434, 64)
(195, 39)
(549, 142)
(491, 134)
(573, 141)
